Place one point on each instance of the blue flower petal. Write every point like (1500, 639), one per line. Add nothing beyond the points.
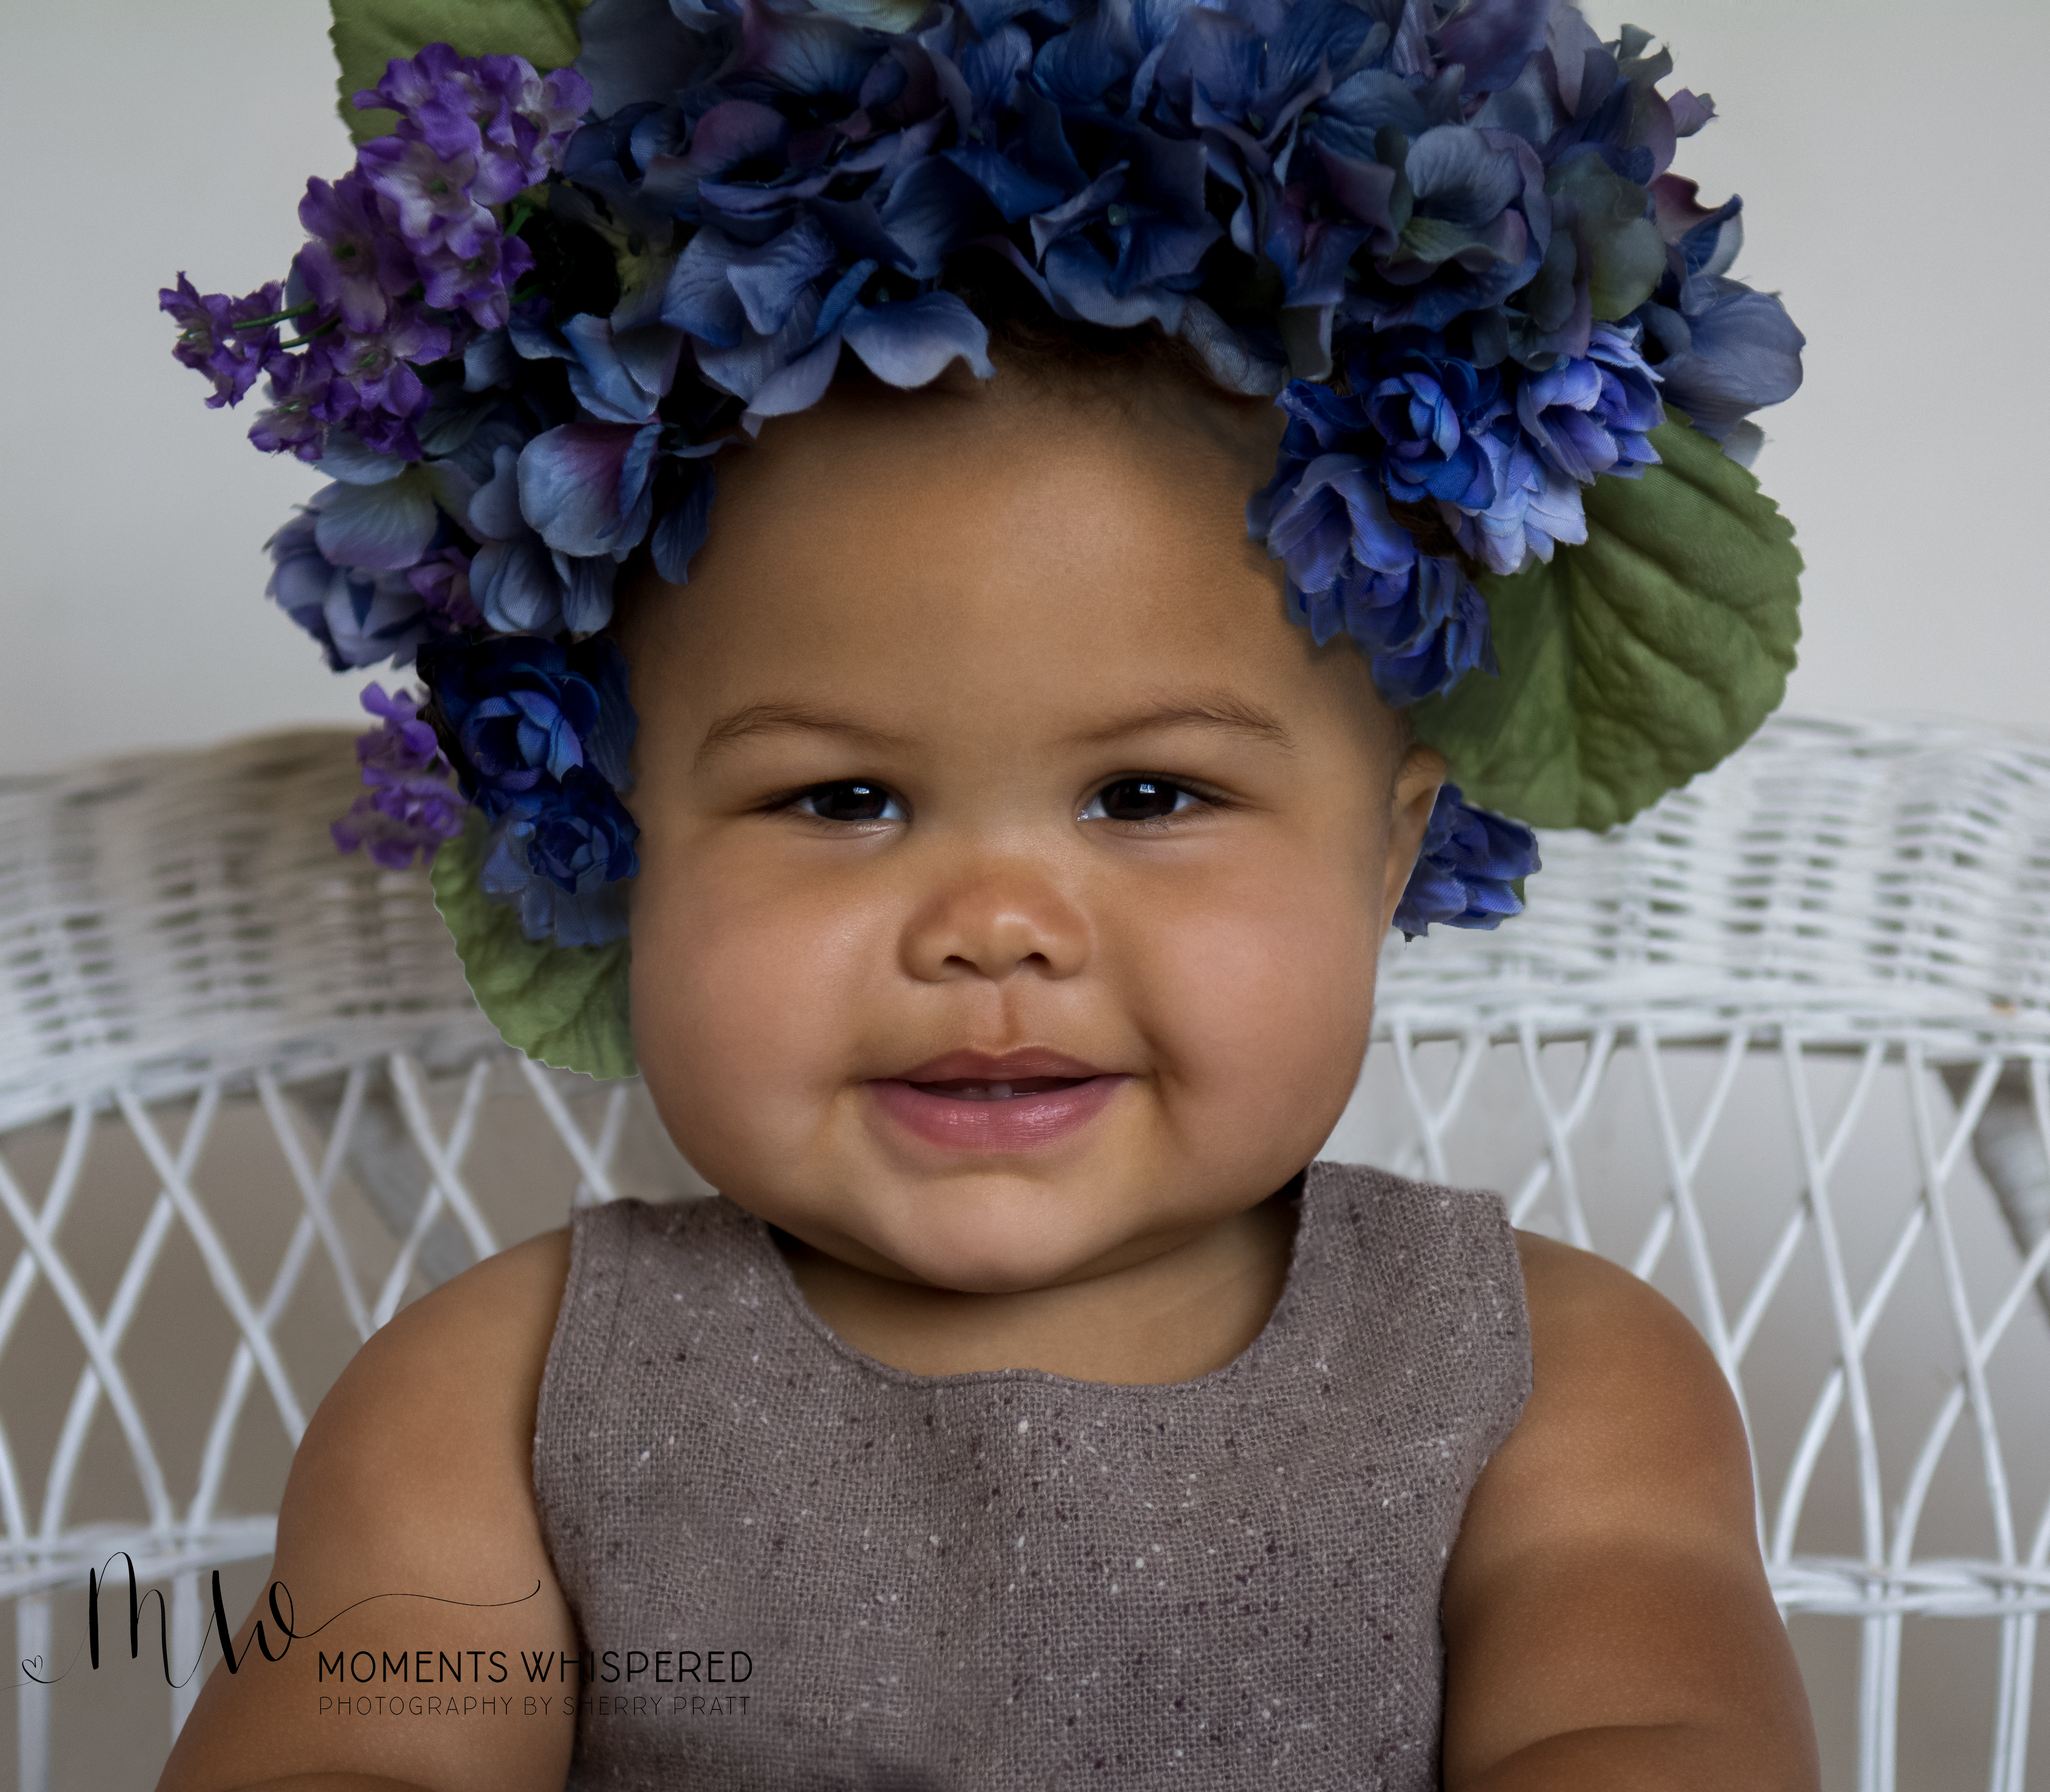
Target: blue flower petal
(515, 585)
(1469, 860)
(1493, 39)
(807, 52)
(929, 213)
(800, 385)
(635, 50)
(700, 298)
(770, 279)
(621, 378)
(682, 532)
(1460, 177)
(586, 592)
(385, 528)
(910, 342)
(1014, 192)
(494, 512)
(584, 486)
(846, 292)
(1744, 352)
(1082, 279)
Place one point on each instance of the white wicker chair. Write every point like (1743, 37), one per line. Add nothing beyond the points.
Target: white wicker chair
(1782, 1045)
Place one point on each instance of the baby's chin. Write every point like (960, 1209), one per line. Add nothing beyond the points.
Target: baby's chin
(983, 1233)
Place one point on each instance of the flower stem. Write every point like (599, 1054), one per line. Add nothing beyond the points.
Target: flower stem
(312, 335)
(277, 316)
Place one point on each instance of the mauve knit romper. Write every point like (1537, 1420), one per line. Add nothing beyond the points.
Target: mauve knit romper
(795, 1567)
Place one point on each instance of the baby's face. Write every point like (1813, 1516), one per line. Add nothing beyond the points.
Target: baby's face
(1012, 872)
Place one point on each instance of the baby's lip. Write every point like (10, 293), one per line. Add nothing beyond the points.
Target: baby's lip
(1023, 1066)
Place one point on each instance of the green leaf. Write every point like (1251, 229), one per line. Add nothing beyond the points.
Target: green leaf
(565, 1007)
(1633, 662)
(368, 33)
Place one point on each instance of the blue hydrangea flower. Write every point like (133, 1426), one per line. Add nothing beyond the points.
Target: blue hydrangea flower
(518, 582)
(522, 712)
(1429, 408)
(358, 618)
(559, 859)
(1466, 872)
(1445, 238)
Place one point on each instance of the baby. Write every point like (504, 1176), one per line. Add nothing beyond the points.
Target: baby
(1005, 867)
(1024, 1412)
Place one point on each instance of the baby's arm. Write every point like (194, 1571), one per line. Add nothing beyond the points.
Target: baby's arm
(1608, 1621)
(415, 1477)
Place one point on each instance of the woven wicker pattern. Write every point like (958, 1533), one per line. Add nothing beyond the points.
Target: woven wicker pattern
(1782, 1045)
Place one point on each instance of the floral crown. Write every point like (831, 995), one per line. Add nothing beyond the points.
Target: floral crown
(570, 267)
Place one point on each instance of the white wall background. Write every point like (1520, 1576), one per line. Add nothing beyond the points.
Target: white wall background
(1894, 167)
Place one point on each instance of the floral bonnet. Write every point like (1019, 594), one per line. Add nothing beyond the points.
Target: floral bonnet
(586, 248)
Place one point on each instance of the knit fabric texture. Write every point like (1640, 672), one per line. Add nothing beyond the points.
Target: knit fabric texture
(795, 1567)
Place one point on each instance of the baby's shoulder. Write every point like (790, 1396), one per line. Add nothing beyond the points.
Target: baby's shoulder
(468, 1355)
(1605, 1608)
(408, 1519)
(1609, 1352)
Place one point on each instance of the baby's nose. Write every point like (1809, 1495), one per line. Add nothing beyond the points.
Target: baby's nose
(1003, 918)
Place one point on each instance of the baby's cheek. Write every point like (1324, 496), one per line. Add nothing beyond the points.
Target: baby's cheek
(1257, 1001)
(740, 1021)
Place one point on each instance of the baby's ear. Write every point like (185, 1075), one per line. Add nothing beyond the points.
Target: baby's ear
(1418, 774)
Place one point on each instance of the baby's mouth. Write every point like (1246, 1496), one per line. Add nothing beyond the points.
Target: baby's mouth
(964, 1088)
(978, 1103)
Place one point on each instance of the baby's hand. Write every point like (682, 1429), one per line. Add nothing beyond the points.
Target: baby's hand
(414, 1478)
(1608, 1621)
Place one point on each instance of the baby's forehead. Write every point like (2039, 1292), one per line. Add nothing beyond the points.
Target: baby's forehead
(962, 534)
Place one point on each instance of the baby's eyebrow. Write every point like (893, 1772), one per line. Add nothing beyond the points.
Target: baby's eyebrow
(1217, 711)
(765, 719)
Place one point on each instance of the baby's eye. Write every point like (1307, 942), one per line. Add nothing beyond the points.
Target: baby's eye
(852, 802)
(1139, 799)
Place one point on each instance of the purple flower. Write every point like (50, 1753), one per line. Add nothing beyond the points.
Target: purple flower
(293, 421)
(427, 197)
(375, 392)
(480, 281)
(212, 339)
(1466, 868)
(356, 264)
(412, 806)
(514, 123)
(402, 745)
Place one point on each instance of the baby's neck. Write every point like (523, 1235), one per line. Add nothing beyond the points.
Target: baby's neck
(1175, 1317)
